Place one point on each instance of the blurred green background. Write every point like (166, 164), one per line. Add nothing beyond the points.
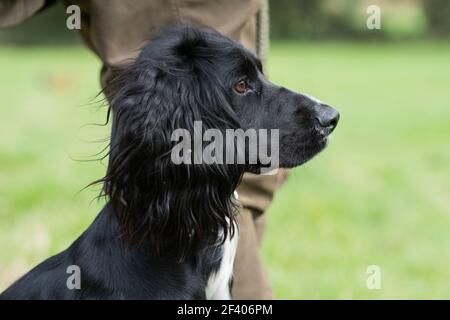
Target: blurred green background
(379, 195)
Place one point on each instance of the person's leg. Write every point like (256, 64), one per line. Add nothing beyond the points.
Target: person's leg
(256, 193)
(250, 276)
(15, 12)
(115, 30)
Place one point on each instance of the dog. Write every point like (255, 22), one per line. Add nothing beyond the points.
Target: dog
(167, 230)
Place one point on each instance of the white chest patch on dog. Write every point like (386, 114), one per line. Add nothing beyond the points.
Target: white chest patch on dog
(218, 287)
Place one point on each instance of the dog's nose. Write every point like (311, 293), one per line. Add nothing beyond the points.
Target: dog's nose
(327, 117)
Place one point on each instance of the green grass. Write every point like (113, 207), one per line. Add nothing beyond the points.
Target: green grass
(379, 195)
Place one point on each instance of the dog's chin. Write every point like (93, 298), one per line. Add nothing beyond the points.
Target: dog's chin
(302, 154)
(292, 157)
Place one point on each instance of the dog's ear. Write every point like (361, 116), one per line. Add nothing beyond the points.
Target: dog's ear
(172, 208)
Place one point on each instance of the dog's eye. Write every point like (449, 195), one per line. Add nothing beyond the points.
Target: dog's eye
(241, 87)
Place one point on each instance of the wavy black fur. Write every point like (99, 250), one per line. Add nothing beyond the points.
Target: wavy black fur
(172, 209)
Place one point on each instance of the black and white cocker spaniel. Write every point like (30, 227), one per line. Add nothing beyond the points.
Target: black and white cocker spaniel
(167, 230)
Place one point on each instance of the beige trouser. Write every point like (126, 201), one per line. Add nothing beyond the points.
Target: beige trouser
(116, 29)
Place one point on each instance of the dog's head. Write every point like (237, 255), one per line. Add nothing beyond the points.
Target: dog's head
(182, 78)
